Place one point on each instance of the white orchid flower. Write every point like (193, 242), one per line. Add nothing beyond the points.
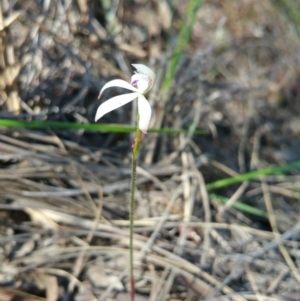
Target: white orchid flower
(141, 82)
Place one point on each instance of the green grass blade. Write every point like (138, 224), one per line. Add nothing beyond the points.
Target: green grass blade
(244, 207)
(94, 127)
(253, 175)
(292, 11)
(182, 42)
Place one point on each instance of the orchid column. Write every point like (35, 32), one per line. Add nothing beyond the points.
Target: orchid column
(141, 82)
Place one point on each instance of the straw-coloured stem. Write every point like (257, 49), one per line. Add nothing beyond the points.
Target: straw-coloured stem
(135, 152)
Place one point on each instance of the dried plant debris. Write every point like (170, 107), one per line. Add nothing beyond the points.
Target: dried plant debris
(64, 193)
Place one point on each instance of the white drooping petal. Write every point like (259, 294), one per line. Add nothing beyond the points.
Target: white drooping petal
(145, 112)
(117, 83)
(114, 103)
(145, 70)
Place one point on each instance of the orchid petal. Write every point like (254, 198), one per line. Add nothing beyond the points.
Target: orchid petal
(117, 83)
(142, 69)
(114, 103)
(145, 112)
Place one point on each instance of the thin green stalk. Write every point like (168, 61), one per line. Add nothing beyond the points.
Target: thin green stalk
(273, 170)
(181, 45)
(97, 127)
(135, 152)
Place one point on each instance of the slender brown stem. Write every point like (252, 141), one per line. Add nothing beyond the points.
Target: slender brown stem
(132, 190)
(135, 152)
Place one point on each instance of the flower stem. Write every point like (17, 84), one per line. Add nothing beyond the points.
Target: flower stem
(135, 152)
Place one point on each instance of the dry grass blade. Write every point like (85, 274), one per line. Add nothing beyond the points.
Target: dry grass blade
(9, 67)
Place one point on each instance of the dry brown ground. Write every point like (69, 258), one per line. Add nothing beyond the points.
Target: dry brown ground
(64, 194)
